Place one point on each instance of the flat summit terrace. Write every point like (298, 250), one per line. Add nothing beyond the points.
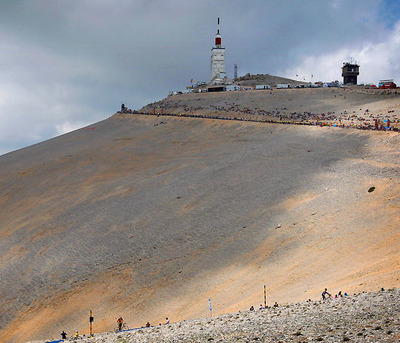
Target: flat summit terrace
(350, 107)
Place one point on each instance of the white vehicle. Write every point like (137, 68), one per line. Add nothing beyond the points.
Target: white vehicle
(231, 88)
(263, 87)
(283, 86)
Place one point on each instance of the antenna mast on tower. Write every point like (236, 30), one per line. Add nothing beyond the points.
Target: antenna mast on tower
(235, 72)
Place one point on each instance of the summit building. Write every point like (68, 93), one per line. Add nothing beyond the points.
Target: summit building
(218, 74)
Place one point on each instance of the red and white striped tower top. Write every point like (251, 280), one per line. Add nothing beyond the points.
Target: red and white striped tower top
(218, 37)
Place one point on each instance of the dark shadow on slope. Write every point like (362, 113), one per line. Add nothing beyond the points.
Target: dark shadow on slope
(184, 195)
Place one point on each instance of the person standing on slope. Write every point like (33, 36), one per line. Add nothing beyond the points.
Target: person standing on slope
(63, 335)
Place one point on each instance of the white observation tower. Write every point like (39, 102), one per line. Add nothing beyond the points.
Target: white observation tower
(217, 61)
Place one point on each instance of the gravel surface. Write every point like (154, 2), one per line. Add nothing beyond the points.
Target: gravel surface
(146, 217)
(365, 317)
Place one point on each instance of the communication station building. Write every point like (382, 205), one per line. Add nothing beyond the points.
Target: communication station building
(350, 71)
(218, 61)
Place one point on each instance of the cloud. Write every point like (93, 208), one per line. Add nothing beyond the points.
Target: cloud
(378, 60)
(39, 91)
(68, 127)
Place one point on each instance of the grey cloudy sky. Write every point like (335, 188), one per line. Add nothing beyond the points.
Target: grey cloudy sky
(67, 64)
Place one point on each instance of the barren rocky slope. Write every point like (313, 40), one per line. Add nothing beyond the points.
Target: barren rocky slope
(150, 217)
(373, 317)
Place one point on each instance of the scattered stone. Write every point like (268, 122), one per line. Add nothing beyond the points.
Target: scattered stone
(331, 321)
